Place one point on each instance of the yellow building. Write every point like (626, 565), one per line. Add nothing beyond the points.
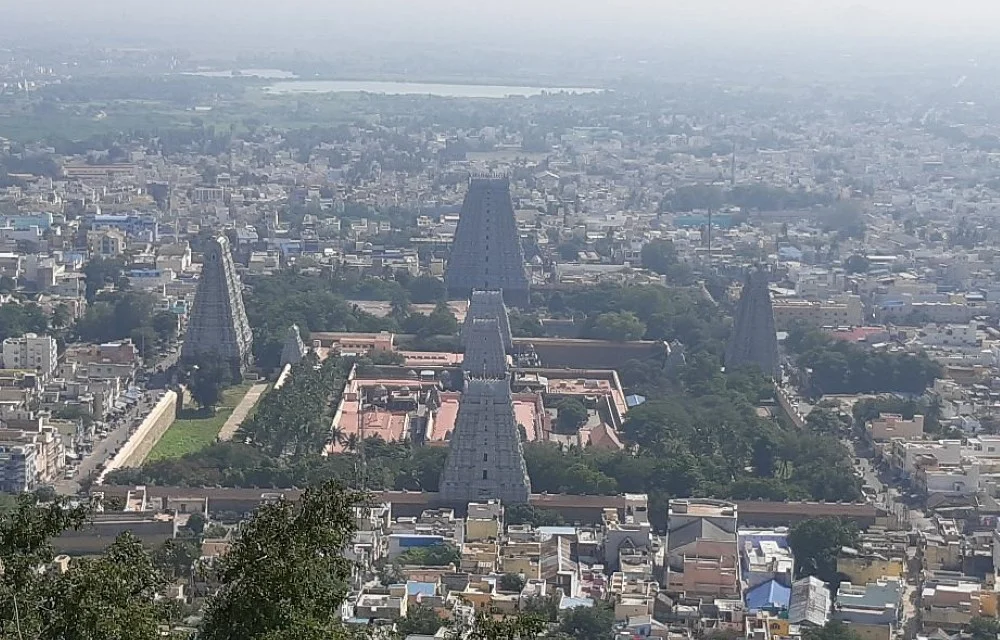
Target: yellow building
(848, 312)
(870, 568)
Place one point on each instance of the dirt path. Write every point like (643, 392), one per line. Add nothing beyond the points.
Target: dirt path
(241, 411)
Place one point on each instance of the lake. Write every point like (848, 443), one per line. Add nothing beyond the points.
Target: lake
(266, 74)
(414, 88)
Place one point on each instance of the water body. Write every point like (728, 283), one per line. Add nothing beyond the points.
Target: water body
(266, 74)
(415, 88)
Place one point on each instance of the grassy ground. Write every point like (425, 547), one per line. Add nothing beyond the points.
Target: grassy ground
(194, 429)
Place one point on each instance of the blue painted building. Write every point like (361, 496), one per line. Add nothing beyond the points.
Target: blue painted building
(770, 596)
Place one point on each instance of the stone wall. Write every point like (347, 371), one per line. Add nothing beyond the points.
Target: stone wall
(138, 446)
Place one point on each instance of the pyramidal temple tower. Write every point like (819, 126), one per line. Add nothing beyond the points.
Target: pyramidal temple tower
(486, 252)
(754, 339)
(218, 327)
(294, 349)
(484, 353)
(489, 305)
(485, 454)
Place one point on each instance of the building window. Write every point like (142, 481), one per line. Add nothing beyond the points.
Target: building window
(486, 457)
(485, 474)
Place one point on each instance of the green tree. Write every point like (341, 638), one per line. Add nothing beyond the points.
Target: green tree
(61, 317)
(112, 595)
(102, 272)
(425, 289)
(825, 421)
(816, 544)
(294, 549)
(206, 381)
(620, 326)
(569, 251)
(440, 322)
(486, 627)
(833, 630)
(857, 263)
(659, 256)
(46, 493)
(588, 623)
(983, 628)
(176, 557)
(511, 583)
(18, 319)
(164, 324)
(571, 414)
(438, 555)
(196, 523)
(419, 621)
(526, 514)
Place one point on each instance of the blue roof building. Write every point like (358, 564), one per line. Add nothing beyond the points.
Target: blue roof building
(770, 596)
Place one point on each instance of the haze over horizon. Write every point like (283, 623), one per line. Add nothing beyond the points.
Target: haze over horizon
(317, 26)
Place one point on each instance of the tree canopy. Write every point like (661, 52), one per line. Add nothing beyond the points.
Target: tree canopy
(294, 549)
(816, 544)
(838, 366)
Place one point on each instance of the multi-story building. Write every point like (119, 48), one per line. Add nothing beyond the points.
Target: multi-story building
(47, 442)
(628, 535)
(25, 221)
(950, 602)
(31, 352)
(144, 228)
(176, 257)
(702, 556)
(106, 243)
(18, 472)
(906, 458)
(765, 555)
(871, 611)
(809, 603)
(892, 425)
(844, 312)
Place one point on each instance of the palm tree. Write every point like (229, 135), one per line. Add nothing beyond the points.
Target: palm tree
(337, 435)
(352, 443)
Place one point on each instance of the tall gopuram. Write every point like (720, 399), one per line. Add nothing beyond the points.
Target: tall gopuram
(754, 339)
(484, 354)
(218, 326)
(486, 252)
(485, 453)
(293, 350)
(489, 305)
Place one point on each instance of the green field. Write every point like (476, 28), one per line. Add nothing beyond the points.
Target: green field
(193, 430)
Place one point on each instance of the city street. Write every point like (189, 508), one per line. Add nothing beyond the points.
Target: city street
(104, 449)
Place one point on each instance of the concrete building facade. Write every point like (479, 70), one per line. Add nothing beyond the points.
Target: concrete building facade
(31, 352)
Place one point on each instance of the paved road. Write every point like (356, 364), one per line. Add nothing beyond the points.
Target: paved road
(104, 449)
(240, 412)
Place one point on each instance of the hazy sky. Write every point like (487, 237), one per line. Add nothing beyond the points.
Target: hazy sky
(277, 23)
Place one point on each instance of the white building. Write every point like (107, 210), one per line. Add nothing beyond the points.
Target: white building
(17, 467)
(31, 352)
